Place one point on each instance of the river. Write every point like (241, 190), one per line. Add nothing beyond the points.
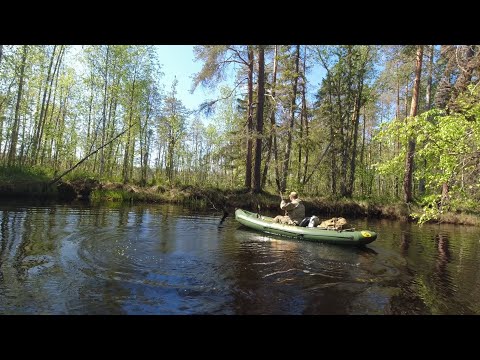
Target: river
(167, 259)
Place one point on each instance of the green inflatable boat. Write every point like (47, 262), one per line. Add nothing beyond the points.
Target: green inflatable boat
(266, 224)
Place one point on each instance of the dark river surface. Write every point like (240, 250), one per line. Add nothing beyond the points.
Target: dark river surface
(166, 259)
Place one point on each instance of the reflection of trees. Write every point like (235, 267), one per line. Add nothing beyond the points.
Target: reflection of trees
(3, 241)
(29, 241)
(36, 234)
(247, 291)
(259, 272)
(409, 300)
(99, 290)
(166, 244)
(268, 276)
(438, 292)
(438, 289)
(441, 280)
(406, 239)
(443, 258)
(122, 216)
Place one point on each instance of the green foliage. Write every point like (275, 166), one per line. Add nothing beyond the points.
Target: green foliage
(108, 196)
(92, 93)
(430, 209)
(80, 174)
(448, 142)
(17, 173)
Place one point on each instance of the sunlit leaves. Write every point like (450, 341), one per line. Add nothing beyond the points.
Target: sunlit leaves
(450, 145)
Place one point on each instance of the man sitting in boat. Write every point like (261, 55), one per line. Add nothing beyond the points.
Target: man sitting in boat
(294, 211)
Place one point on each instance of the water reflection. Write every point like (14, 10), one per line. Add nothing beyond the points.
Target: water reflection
(443, 289)
(58, 259)
(443, 259)
(405, 243)
(296, 277)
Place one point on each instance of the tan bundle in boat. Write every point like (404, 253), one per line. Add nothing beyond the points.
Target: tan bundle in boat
(334, 223)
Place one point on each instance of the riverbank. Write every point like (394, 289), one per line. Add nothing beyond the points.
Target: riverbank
(34, 185)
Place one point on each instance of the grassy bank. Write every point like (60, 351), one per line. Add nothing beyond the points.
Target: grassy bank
(31, 183)
(22, 182)
(228, 200)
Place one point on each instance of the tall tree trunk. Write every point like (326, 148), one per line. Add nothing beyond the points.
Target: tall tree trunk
(126, 157)
(444, 87)
(16, 123)
(146, 157)
(428, 95)
(469, 63)
(444, 90)
(23, 143)
(346, 124)
(292, 121)
(56, 133)
(248, 163)
(406, 99)
(132, 153)
(89, 121)
(343, 140)
(356, 120)
(28, 154)
(444, 94)
(333, 158)
(60, 142)
(362, 151)
(42, 109)
(43, 120)
(407, 182)
(305, 118)
(257, 184)
(303, 125)
(428, 106)
(272, 139)
(397, 142)
(104, 113)
(109, 161)
(56, 74)
(144, 148)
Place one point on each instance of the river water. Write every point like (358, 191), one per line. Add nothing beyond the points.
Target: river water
(166, 259)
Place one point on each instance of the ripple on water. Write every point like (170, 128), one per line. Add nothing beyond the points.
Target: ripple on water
(168, 260)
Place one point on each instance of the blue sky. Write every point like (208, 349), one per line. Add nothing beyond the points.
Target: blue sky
(178, 60)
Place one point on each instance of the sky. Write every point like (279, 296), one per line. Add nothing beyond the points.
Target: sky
(179, 61)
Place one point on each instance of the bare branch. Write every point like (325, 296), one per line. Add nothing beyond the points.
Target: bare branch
(319, 162)
(90, 154)
(238, 54)
(207, 107)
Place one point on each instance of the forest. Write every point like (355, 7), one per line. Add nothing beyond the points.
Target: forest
(387, 124)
